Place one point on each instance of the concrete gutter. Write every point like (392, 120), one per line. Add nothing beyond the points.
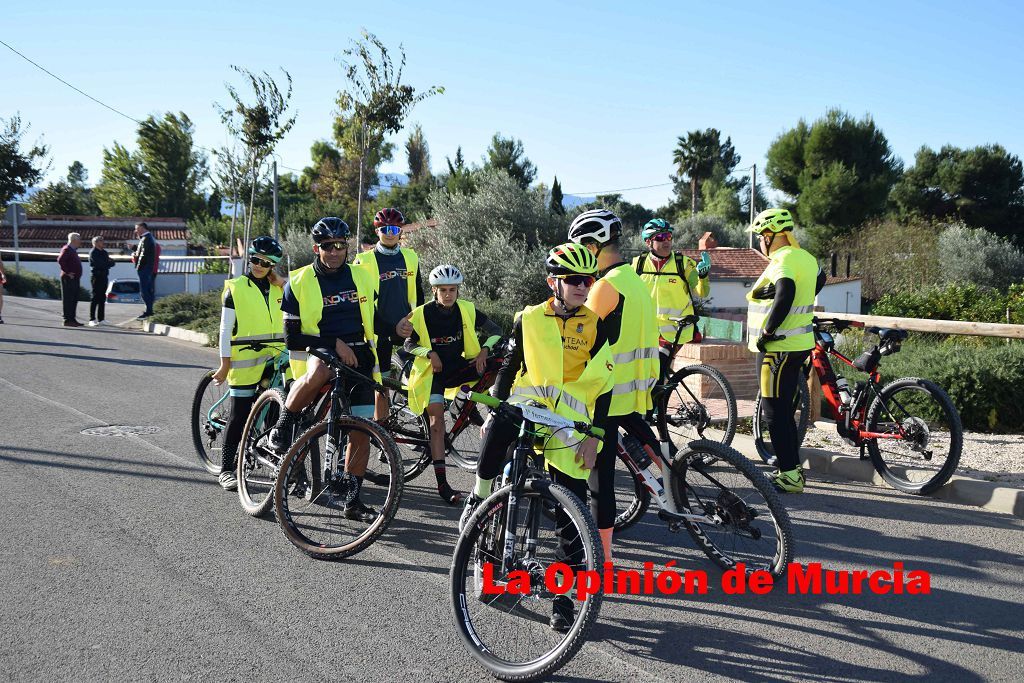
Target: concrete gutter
(176, 333)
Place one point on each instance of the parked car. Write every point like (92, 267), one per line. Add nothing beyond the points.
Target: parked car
(123, 291)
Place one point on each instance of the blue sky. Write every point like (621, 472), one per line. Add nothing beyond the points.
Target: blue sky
(598, 92)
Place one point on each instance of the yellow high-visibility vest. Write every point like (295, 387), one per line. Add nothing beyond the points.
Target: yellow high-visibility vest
(635, 352)
(257, 319)
(801, 267)
(422, 372)
(672, 291)
(368, 261)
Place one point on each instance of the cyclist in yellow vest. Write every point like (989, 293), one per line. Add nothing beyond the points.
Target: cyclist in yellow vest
(574, 383)
(330, 305)
(448, 354)
(399, 291)
(674, 281)
(250, 336)
(779, 327)
(621, 299)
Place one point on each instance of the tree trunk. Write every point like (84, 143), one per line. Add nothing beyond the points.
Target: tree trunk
(693, 196)
(359, 199)
(231, 235)
(248, 218)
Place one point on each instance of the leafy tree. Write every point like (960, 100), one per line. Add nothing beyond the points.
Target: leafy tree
(418, 154)
(837, 171)
(633, 216)
(460, 176)
(213, 204)
(68, 197)
(77, 174)
(974, 255)
(161, 178)
(982, 186)
(412, 200)
(19, 168)
(697, 158)
(556, 198)
(507, 154)
(888, 256)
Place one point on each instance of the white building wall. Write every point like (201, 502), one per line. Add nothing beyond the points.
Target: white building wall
(839, 297)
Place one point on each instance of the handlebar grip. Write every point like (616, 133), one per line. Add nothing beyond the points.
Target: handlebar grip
(595, 432)
(465, 392)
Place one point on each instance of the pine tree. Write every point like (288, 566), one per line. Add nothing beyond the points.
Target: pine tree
(556, 198)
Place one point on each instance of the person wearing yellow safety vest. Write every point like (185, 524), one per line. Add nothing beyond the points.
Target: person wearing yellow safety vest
(447, 354)
(674, 281)
(780, 313)
(330, 305)
(621, 299)
(560, 358)
(400, 288)
(251, 335)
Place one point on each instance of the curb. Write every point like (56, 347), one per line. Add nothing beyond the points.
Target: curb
(989, 495)
(176, 333)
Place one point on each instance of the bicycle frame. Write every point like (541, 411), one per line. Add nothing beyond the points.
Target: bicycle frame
(276, 380)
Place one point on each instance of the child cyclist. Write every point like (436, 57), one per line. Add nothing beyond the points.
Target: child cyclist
(560, 358)
(448, 354)
(251, 333)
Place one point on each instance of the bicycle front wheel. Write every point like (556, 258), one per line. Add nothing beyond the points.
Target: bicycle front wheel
(509, 634)
(801, 414)
(743, 518)
(697, 403)
(314, 500)
(258, 464)
(209, 423)
(927, 437)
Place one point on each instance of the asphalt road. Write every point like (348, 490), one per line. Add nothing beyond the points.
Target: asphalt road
(120, 558)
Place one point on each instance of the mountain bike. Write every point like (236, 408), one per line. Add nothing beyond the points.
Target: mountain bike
(528, 524)
(211, 409)
(316, 481)
(909, 427)
(694, 402)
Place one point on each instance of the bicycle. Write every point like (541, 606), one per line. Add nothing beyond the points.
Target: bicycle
(517, 528)
(314, 482)
(902, 426)
(209, 415)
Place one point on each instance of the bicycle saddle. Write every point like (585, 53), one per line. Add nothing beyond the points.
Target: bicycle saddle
(888, 334)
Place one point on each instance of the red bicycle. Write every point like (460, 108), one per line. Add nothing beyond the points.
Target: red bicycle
(909, 427)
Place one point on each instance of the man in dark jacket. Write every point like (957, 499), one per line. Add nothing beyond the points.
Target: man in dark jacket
(70, 275)
(99, 265)
(144, 257)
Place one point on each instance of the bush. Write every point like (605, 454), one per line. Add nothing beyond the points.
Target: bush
(967, 302)
(198, 312)
(974, 255)
(29, 283)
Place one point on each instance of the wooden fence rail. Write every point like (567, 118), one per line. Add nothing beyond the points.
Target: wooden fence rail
(938, 326)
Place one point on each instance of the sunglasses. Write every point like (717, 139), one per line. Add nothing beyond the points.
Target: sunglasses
(389, 229)
(334, 246)
(662, 237)
(576, 280)
(257, 261)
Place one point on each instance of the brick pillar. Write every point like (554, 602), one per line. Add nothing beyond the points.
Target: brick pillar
(732, 359)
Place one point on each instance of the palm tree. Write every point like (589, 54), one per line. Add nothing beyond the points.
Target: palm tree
(696, 155)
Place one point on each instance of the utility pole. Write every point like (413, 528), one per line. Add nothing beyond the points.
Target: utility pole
(275, 201)
(17, 254)
(753, 199)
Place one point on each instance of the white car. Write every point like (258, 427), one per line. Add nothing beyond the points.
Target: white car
(124, 291)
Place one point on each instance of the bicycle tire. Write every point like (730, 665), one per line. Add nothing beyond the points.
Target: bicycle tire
(876, 414)
(697, 410)
(251, 494)
(802, 412)
(304, 449)
(638, 505)
(490, 514)
(209, 456)
(731, 508)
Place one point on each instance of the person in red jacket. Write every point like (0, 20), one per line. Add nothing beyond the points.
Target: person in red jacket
(70, 278)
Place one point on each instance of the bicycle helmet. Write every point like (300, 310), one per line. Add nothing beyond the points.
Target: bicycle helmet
(329, 228)
(570, 259)
(653, 227)
(597, 225)
(445, 274)
(774, 220)
(388, 217)
(267, 247)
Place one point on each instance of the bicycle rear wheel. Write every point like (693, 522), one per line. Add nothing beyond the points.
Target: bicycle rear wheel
(801, 414)
(208, 429)
(509, 634)
(745, 518)
(697, 403)
(311, 500)
(258, 464)
(931, 436)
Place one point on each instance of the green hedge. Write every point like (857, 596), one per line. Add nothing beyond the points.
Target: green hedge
(29, 283)
(955, 302)
(198, 312)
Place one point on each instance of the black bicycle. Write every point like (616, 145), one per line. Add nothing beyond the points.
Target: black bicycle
(526, 526)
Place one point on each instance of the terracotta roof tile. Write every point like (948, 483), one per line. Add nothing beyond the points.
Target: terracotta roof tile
(733, 262)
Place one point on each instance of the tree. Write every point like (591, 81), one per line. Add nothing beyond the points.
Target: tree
(77, 174)
(376, 101)
(698, 155)
(68, 197)
(213, 204)
(232, 173)
(837, 172)
(507, 154)
(976, 256)
(460, 177)
(258, 126)
(633, 216)
(418, 154)
(161, 178)
(983, 187)
(19, 168)
(556, 198)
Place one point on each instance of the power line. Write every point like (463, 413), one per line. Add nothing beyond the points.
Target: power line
(624, 189)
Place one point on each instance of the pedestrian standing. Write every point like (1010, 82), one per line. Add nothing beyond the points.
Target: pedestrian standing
(144, 259)
(70, 278)
(99, 265)
(3, 281)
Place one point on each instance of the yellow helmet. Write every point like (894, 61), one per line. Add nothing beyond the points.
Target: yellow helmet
(774, 220)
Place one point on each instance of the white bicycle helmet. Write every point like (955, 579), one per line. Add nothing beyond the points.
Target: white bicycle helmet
(600, 225)
(445, 274)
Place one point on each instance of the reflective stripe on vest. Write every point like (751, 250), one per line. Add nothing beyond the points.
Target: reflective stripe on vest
(422, 373)
(797, 327)
(279, 336)
(368, 261)
(672, 299)
(638, 340)
(257, 318)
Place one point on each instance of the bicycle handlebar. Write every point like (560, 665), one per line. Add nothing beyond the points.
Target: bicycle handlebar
(337, 364)
(497, 403)
(685, 320)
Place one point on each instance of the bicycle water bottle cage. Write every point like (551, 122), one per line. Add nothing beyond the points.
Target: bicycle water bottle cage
(868, 361)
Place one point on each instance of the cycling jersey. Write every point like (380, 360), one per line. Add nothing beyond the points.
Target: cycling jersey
(672, 283)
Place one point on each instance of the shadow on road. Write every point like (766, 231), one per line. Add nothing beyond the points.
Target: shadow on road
(52, 343)
(117, 361)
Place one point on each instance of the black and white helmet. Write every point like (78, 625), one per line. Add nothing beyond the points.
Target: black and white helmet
(445, 274)
(599, 225)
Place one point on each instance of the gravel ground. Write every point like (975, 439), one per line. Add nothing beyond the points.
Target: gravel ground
(992, 457)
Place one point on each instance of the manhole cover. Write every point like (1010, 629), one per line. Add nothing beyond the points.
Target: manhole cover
(120, 430)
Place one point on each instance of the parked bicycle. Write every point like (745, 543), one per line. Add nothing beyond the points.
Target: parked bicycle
(528, 524)
(909, 427)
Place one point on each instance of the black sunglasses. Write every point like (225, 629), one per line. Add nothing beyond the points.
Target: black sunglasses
(333, 246)
(576, 280)
(257, 261)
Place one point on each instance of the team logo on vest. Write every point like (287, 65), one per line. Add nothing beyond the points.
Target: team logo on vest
(672, 280)
(579, 328)
(435, 341)
(397, 272)
(351, 296)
